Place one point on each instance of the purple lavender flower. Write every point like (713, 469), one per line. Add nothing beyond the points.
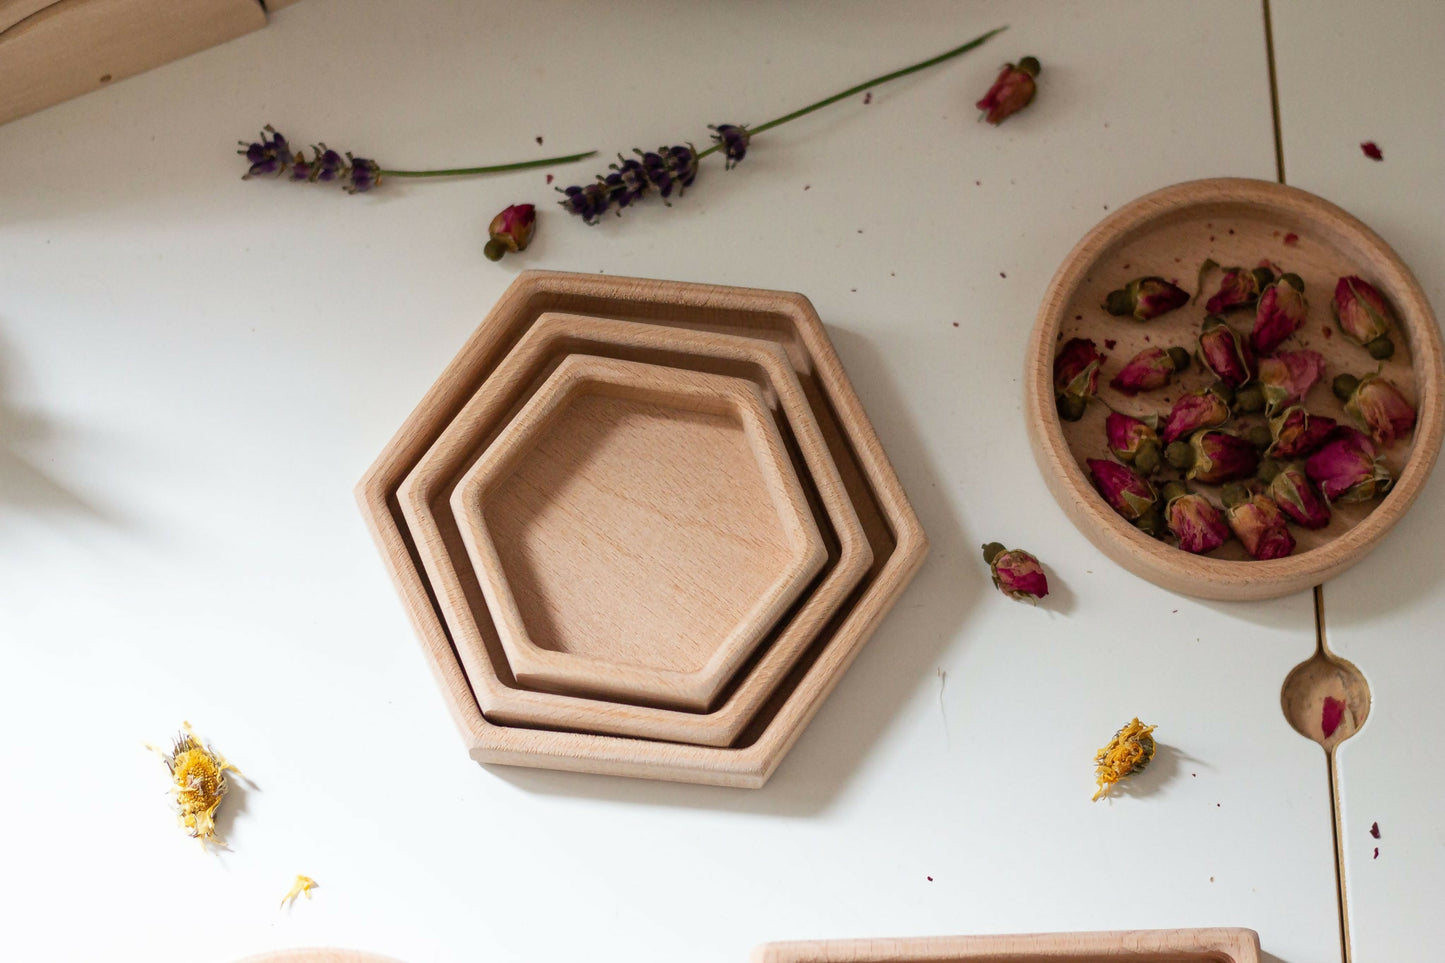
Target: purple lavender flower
(363, 175)
(733, 139)
(328, 165)
(270, 155)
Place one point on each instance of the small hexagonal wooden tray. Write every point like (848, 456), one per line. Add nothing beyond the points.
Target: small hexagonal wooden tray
(1216, 945)
(425, 504)
(894, 535)
(638, 530)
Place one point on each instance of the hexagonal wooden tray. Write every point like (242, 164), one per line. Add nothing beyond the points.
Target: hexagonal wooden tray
(896, 538)
(1216, 945)
(638, 530)
(425, 495)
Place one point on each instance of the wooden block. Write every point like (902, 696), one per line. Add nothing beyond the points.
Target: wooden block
(425, 502)
(1236, 222)
(638, 530)
(897, 540)
(72, 47)
(1221, 945)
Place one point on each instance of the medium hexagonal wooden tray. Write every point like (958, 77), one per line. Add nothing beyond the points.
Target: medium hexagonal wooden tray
(425, 500)
(893, 531)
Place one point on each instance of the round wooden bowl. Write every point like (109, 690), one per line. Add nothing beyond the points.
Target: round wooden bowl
(1236, 222)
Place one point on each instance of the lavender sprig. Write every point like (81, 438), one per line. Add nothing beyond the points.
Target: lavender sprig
(676, 167)
(272, 155)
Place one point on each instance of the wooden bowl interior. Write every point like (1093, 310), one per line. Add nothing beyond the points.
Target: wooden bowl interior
(1170, 234)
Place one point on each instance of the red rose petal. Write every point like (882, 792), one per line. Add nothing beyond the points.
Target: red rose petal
(1110, 343)
(1375, 830)
(1372, 150)
(1332, 715)
(549, 178)
(1291, 238)
(1377, 852)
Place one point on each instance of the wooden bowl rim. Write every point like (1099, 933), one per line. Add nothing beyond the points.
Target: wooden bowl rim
(1153, 559)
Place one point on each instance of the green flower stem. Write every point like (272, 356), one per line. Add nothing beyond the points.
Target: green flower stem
(876, 81)
(494, 169)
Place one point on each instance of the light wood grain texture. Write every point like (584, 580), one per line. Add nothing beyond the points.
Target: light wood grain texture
(318, 955)
(75, 46)
(638, 531)
(1218, 945)
(14, 11)
(896, 538)
(425, 495)
(1234, 221)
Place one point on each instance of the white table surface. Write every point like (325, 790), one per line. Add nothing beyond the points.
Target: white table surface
(195, 370)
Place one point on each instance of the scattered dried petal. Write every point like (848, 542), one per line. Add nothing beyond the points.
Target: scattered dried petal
(1331, 715)
(1128, 752)
(198, 783)
(1012, 90)
(1372, 150)
(304, 884)
(1375, 830)
(1016, 573)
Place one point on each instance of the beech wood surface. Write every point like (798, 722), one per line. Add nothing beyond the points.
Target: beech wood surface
(638, 530)
(425, 501)
(1217, 945)
(895, 535)
(72, 47)
(1235, 221)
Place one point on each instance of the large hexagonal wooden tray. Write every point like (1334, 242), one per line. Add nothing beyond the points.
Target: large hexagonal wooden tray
(893, 531)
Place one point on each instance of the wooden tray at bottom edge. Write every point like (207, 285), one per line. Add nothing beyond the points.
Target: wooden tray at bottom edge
(1215, 945)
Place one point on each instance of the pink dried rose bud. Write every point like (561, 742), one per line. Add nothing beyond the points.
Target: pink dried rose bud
(1076, 376)
(1012, 91)
(1298, 433)
(1378, 406)
(1145, 298)
(1149, 369)
(1297, 496)
(1126, 491)
(1225, 353)
(1198, 409)
(1015, 572)
(1363, 315)
(1346, 468)
(1287, 377)
(1133, 441)
(1193, 520)
(511, 230)
(1214, 457)
(1257, 522)
(1239, 288)
(1282, 309)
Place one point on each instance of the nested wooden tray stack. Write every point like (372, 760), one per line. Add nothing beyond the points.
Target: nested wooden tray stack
(641, 527)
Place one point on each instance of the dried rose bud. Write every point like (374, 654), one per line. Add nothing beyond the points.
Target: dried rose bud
(1016, 573)
(1377, 405)
(1012, 91)
(1281, 311)
(1193, 520)
(1298, 433)
(1257, 522)
(1239, 288)
(1363, 315)
(1076, 376)
(1297, 497)
(1134, 442)
(1346, 469)
(1145, 298)
(1287, 377)
(1196, 410)
(1149, 369)
(1126, 491)
(511, 230)
(1225, 353)
(1214, 457)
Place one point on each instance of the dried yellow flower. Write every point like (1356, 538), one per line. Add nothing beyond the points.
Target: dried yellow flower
(1127, 753)
(198, 783)
(303, 885)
